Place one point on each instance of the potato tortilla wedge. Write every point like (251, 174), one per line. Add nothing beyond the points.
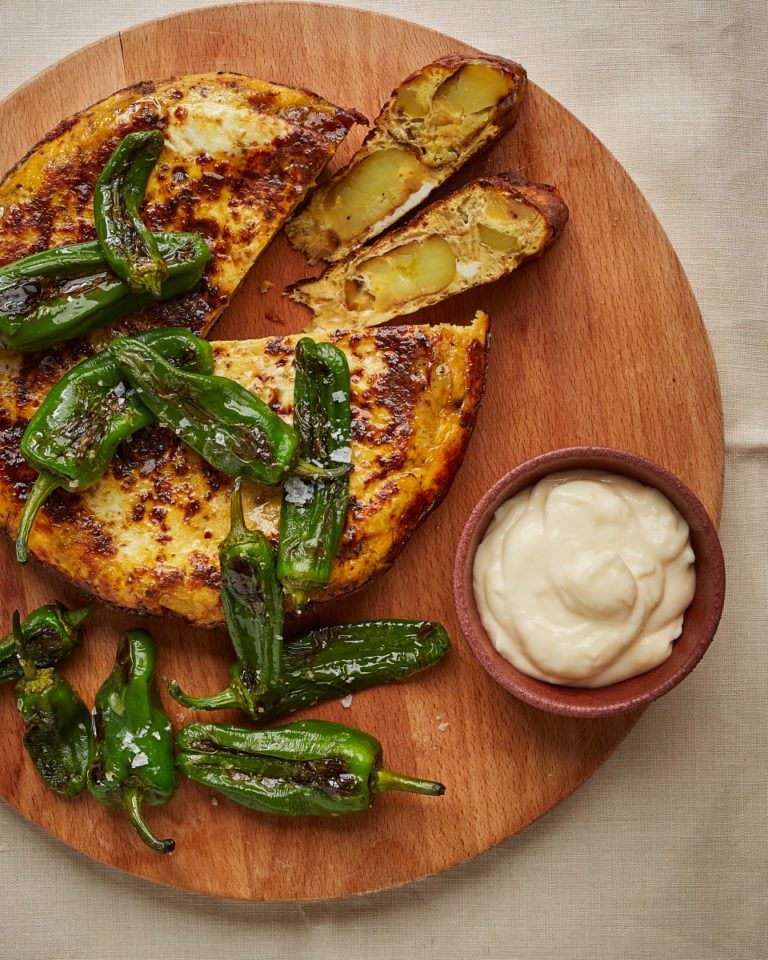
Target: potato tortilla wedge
(146, 536)
(239, 156)
(436, 120)
(478, 234)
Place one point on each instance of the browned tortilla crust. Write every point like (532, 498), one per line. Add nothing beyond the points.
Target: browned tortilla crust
(237, 195)
(146, 536)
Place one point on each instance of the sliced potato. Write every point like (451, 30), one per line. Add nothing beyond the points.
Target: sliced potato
(474, 236)
(432, 124)
(416, 269)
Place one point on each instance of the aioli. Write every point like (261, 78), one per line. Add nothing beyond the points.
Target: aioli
(583, 579)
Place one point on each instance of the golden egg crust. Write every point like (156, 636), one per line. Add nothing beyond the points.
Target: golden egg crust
(240, 154)
(146, 536)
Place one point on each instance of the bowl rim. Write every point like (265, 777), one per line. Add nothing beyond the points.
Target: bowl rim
(625, 695)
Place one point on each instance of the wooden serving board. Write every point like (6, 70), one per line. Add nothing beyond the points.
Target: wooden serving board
(600, 341)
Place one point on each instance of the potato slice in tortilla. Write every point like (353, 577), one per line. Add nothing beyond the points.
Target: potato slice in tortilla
(476, 235)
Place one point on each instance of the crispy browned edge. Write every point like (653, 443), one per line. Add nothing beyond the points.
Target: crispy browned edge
(541, 196)
(345, 115)
(506, 111)
(477, 366)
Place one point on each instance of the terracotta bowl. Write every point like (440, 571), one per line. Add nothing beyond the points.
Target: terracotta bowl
(701, 618)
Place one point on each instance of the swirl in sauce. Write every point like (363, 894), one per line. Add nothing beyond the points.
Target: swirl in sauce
(583, 579)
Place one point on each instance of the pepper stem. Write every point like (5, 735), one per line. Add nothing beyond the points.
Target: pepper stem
(304, 468)
(132, 804)
(226, 700)
(388, 780)
(237, 527)
(27, 663)
(299, 597)
(75, 618)
(43, 487)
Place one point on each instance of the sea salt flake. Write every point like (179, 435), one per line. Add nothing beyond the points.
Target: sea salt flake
(297, 491)
(342, 455)
(346, 702)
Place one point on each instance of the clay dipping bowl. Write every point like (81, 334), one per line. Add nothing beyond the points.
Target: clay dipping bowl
(701, 618)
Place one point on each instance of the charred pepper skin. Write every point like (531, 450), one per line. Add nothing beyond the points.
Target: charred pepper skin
(252, 599)
(133, 764)
(307, 768)
(68, 291)
(313, 510)
(332, 662)
(253, 602)
(71, 439)
(49, 634)
(128, 245)
(335, 661)
(57, 724)
(220, 420)
(225, 424)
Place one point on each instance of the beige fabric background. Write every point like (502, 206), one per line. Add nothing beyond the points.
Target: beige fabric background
(664, 852)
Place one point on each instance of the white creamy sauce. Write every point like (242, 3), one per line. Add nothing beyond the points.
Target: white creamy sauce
(583, 579)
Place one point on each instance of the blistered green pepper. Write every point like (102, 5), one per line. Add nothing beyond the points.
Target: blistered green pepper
(253, 602)
(308, 768)
(133, 764)
(71, 439)
(333, 662)
(50, 633)
(313, 510)
(253, 609)
(224, 423)
(69, 291)
(130, 248)
(57, 724)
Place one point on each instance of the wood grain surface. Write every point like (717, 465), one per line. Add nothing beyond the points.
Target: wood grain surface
(600, 341)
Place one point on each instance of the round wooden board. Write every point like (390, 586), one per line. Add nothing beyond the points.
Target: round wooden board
(600, 341)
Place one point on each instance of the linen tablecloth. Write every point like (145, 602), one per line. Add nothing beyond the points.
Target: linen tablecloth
(664, 851)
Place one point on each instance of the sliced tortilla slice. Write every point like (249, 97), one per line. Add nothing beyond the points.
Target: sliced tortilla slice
(478, 234)
(436, 120)
(146, 536)
(239, 156)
